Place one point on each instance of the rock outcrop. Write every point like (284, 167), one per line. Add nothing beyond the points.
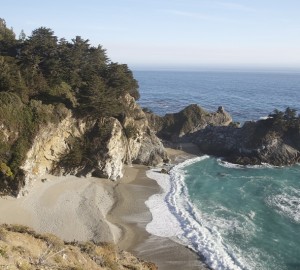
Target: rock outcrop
(97, 147)
(48, 146)
(275, 140)
(191, 119)
(264, 141)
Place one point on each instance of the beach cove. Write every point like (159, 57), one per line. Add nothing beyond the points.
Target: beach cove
(100, 210)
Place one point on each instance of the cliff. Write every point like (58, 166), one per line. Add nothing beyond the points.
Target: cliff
(22, 248)
(265, 141)
(98, 147)
(65, 108)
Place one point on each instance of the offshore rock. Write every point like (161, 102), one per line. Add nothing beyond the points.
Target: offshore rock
(174, 126)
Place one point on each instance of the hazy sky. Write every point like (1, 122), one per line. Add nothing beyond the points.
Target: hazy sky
(172, 33)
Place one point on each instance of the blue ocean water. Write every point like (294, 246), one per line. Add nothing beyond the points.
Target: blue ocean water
(245, 95)
(237, 217)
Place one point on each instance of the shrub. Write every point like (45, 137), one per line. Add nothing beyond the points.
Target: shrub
(5, 170)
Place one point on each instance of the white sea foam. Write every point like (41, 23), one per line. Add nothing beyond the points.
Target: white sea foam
(163, 223)
(287, 203)
(175, 216)
(227, 164)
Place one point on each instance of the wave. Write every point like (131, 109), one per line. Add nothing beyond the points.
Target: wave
(227, 164)
(287, 203)
(174, 215)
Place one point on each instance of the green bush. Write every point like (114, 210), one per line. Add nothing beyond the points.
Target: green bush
(5, 169)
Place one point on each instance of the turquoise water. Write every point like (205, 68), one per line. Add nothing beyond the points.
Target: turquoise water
(256, 211)
(237, 217)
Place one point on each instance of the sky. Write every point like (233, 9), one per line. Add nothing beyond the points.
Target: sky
(172, 34)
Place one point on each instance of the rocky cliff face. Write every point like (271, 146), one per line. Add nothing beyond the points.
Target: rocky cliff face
(48, 146)
(275, 140)
(94, 147)
(191, 119)
(264, 141)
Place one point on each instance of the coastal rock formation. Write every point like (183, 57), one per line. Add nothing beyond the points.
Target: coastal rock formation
(144, 147)
(48, 146)
(189, 120)
(93, 147)
(271, 141)
(275, 140)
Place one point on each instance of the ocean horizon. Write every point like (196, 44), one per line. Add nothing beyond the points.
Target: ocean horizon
(245, 95)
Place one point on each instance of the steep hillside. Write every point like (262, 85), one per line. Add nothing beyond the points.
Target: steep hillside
(23, 249)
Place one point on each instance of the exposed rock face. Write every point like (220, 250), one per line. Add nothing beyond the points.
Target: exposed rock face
(49, 144)
(258, 142)
(115, 142)
(105, 145)
(144, 147)
(189, 120)
(275, 140)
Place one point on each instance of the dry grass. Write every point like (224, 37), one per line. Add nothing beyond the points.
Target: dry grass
(23, 249)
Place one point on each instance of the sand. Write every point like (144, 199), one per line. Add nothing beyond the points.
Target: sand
(69, 207)
(132, 215)
(103, 211)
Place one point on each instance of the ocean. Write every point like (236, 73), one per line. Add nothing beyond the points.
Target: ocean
(245, 95)
(237, 217)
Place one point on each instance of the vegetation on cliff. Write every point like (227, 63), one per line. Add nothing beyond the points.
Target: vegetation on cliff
(24, 249)
(41, 78)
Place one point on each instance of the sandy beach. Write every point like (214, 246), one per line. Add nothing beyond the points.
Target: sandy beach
(69, 207)
(132, 215)
(103, 211)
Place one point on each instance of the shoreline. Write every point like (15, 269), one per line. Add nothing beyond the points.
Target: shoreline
(132, 215)
(84, 209)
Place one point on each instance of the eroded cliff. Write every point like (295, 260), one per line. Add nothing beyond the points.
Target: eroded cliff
(98, 147)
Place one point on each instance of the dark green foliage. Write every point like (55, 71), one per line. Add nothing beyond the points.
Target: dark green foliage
(54, 70)
(280, 124)
(76, 155)
(120, 78)
(284, 121)
(40, 77)
(7, 39)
